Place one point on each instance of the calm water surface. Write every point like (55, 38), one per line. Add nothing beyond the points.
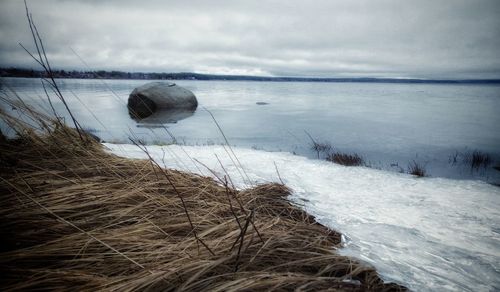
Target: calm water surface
(389, 125)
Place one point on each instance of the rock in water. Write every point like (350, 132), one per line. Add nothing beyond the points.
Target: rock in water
(155, 96)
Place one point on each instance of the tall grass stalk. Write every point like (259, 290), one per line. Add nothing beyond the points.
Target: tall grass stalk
(319, 147)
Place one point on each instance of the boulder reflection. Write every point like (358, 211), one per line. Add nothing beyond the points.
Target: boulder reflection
(160, 117)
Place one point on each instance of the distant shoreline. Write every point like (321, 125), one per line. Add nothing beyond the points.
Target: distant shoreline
(120, 75)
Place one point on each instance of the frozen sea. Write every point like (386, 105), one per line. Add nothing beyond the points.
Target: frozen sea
(439, 233)
(389, 125)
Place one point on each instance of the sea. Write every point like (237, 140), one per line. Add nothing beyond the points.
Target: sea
(391, 126)
(436, 233)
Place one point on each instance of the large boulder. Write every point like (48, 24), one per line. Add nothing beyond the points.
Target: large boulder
(156, 96)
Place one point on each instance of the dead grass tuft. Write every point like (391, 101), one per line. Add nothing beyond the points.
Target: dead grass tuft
(417, 169)
(477, 159)
(345, 159)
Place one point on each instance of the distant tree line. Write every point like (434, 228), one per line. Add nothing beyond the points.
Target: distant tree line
(102, 74)
(30, 73)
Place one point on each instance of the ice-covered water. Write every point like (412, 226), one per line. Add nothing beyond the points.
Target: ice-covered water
(430, 234)
(387, 124)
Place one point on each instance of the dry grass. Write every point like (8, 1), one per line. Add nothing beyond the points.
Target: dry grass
(417, 169)
(345, 159)
(319, 147)
(477, 159)
(75, 217)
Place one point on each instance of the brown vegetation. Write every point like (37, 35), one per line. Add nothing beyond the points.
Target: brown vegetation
(477, 159)
(417, 169)
(345, 159)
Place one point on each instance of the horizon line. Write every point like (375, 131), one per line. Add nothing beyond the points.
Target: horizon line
(124, 75)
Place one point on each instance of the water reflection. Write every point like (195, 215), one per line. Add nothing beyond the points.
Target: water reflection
(160, 117)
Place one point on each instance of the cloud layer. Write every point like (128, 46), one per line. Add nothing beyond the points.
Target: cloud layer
(429, 39)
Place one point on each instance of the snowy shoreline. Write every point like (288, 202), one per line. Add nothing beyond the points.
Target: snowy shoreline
(425, 233)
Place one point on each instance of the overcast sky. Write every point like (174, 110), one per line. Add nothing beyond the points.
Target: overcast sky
(422, 39)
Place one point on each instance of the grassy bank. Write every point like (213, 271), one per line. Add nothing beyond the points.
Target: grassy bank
(73, 216)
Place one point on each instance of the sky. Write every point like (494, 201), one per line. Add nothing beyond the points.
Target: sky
(452, 39)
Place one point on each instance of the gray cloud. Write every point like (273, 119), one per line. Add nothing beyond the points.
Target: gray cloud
(433, 39)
